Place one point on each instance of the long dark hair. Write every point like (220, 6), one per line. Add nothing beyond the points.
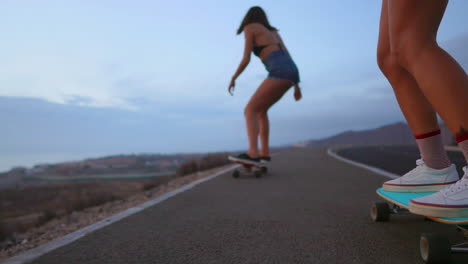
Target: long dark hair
(255, 15)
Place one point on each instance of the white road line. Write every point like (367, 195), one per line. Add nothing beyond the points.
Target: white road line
(67, 239)
(364, 166)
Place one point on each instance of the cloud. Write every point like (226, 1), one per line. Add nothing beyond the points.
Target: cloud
(85, 82)
(59, 79)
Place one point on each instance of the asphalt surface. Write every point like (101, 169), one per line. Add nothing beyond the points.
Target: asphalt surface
(395, 159)
(311, 208)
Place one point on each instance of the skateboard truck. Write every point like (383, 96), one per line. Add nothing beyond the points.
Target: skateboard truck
(434, 248)
(257, 170)
(381, 211)
(462, 247)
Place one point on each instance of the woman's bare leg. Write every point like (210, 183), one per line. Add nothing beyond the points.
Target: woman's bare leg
(264, 133)
(413, 29)
(416, 108)
(269, 92)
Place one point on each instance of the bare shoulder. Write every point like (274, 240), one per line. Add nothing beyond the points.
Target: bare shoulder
(252, 27)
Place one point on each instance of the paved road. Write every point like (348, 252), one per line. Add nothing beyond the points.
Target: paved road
(310, 209)
(395, 159)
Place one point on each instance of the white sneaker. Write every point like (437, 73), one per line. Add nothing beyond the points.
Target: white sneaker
(449, 202)
(423, 179)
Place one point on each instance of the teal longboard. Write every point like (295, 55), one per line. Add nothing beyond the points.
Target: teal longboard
(402, 200)
(434, 248)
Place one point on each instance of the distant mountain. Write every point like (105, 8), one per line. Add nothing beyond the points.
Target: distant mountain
(393, 134)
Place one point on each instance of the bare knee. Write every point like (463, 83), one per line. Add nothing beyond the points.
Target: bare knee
(383, 59)
(262, 114)
(250, 110)
(407, 48)
(388, 64)
(253, 110)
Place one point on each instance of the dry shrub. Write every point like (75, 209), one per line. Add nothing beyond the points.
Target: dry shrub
(47, 215)
(85, 199)
(150, 184)
(214, 160)
(188, 167)
(55, 200)
(5, 232)
(209, 161)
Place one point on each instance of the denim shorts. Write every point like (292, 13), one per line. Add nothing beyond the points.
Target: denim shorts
(280, 66)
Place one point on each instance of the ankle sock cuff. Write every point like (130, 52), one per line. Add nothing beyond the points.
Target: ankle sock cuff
(430, 134)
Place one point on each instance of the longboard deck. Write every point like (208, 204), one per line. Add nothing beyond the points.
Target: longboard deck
(245, 164)
(257, 169)
(248, 164)
(402, 199)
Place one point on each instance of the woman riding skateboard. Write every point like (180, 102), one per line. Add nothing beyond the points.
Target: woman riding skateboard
(426, 80)
(264, 41)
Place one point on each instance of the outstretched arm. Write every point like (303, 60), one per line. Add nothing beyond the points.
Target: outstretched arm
(245, 58)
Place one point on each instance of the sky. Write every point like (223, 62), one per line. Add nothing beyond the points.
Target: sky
(88, 78)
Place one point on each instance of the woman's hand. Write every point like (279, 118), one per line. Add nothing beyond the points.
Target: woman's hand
(231, 86)
(297, 92)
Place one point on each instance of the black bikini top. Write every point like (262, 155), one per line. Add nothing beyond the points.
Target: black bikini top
(256, 50)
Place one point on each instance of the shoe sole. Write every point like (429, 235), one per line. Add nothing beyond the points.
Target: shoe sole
(415, 188)
(264, 163)
(437, 211)
(243, 161)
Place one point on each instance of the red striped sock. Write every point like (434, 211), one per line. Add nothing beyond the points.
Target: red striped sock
(432, 150)
(462, 141)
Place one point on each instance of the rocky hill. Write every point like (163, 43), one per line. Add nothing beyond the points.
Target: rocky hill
(392, 134)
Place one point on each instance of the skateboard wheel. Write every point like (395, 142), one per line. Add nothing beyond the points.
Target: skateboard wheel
(264, 170)
(434, 248)
(235, 174)
(258, 174)
(380, 212)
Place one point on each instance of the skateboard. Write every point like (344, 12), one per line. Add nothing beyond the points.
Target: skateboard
(257, 170)
(434, 248)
